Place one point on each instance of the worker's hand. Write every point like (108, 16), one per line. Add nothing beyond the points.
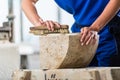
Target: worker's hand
(51, 24)
(87, 36)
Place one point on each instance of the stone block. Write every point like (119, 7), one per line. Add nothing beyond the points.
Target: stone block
(65, 51)
(9, 60)
(103, 73)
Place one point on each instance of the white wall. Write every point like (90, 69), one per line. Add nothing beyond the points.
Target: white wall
(3, 11)
(17, 21)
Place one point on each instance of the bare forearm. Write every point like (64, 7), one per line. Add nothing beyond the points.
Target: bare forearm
(30, 11)
(108, 13)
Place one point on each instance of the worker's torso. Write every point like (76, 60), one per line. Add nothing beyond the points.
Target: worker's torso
(84, 12)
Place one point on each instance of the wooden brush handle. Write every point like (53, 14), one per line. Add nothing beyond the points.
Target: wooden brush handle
(44, 27)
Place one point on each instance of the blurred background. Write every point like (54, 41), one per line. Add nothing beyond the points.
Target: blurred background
(16, 41)
(12, 9)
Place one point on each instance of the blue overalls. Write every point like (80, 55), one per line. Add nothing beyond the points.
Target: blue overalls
(85, 12)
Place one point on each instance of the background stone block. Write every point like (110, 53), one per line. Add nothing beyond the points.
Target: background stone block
(9, 60)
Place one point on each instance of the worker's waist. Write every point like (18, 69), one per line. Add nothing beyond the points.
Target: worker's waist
(77, 25)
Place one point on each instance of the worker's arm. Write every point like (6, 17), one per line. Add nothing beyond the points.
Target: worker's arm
(108, 13)
(30, 11)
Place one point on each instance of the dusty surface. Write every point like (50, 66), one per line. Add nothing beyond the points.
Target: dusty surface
(65, 51)
(102, 73)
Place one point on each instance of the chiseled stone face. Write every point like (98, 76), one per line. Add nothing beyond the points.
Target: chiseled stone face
(65, 51)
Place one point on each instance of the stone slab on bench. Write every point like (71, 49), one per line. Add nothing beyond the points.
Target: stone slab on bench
(94, 73)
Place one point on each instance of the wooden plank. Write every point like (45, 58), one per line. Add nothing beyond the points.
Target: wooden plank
(42, 30)
(44, 27)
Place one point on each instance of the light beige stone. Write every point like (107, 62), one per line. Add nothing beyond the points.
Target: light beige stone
(9, 60)
(56, 74)
(65, 51)
(28, 75)
(103, 73)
